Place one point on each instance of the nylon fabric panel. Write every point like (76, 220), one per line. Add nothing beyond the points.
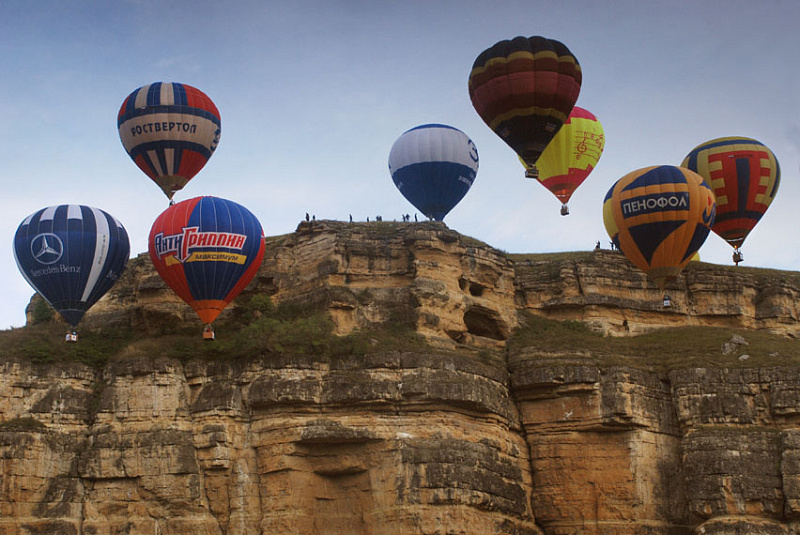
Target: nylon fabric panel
(171, 223)
(430, 188)
(433, 143)
(79, 239)
(32, 241)
(100, 254)
(154, 94)
(104, 273)
(608, 218)
(208, 309)
(697, 240)
(251, 271)
(642, 237)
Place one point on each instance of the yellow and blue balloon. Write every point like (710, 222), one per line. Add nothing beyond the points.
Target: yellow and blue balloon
(659, 217)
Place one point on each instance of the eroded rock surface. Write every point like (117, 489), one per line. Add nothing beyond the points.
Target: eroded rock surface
(453, 440)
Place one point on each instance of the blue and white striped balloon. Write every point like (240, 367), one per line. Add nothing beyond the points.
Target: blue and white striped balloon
(72, 255)
(433, 166)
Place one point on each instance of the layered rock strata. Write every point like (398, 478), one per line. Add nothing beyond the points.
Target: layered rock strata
(459, 291)
(467, 437)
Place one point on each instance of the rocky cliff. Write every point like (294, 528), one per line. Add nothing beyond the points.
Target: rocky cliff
(489, 427)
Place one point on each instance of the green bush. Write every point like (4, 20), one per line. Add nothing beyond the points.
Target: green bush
(41, 311)
(22, 423)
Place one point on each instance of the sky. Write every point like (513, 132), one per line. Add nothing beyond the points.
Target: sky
(313, 93)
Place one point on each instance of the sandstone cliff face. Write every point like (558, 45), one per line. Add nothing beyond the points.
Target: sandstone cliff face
(464, 292)
(395, 443)
(604, 290)
(461, 439)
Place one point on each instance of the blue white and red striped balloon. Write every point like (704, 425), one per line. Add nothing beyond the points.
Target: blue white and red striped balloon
(170, 131)
(433, 166)
(72, 255)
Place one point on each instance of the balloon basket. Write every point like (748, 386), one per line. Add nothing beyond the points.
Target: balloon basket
(208, 334)
(532, 172)
(71, 337)
(564, 209)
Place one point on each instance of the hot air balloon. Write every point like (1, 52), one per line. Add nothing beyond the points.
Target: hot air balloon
(207, 250)
(745, 176)
(170, 131)
(571, 156)
(524, 89)
(72, 255)
(659, 217)
(433, 166)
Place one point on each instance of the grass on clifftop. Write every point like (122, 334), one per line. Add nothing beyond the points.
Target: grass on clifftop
(257, 327)
(44, 343)
(665, 349)
(549, 257)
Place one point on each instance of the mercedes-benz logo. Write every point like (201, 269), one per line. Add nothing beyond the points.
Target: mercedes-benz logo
(47, 248)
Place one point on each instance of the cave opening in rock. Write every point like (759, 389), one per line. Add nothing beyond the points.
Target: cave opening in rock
(483, 322)
(475, 289)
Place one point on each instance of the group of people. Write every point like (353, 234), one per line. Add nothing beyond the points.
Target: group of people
(405, 217)
(597, 245)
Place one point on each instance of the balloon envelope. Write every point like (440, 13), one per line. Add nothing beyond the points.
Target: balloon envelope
(207, 250)
(170, 131)
(572, 154)
(72, 255)
(745, 176)
(433, 166)
(659, 217)
(524, 89)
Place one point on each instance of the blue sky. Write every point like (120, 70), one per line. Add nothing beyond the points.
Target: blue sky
(313, 94)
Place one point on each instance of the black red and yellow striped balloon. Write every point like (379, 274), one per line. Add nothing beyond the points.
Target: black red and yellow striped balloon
(659, 217)
(524, 89)
(744, 175)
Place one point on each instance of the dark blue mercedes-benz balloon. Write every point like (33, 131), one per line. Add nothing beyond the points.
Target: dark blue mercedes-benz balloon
(72, 255)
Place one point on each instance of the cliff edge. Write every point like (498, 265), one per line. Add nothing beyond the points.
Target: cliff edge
(514, 394)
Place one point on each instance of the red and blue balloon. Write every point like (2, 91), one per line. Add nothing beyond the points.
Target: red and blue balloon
(207, 249)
